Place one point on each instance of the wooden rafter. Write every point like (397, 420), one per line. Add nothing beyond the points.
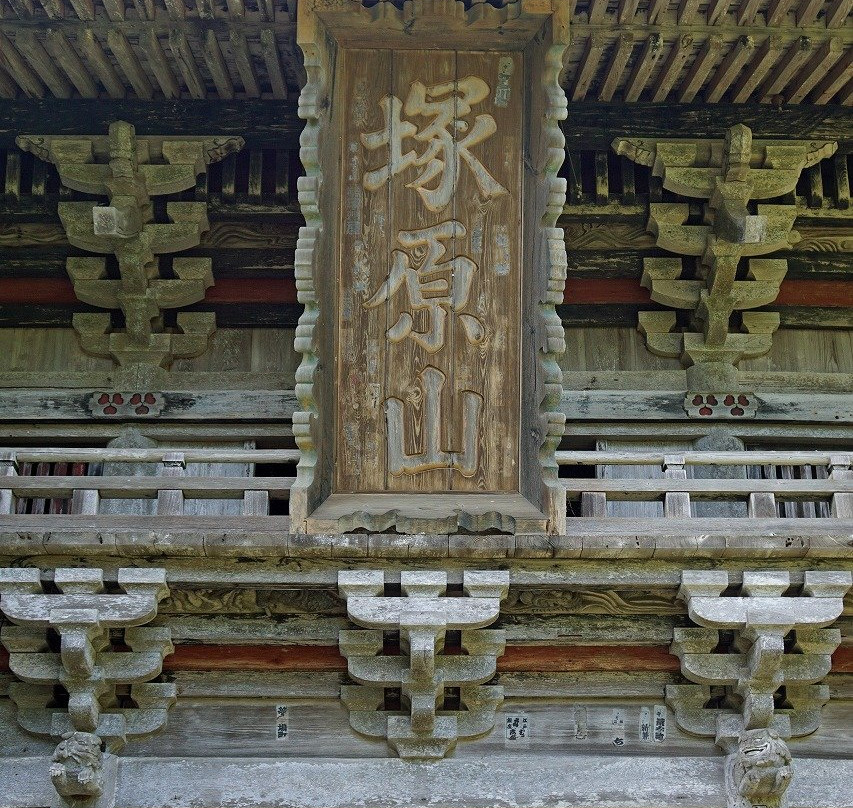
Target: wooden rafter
(777, 11)
(651, 52)
(618, 60)
(816, 67)
(65, 55)
(595, 46)
(834, 80)
(785, 69)
(99, 64)
(32, 49)
(18, 69)
(129, 63)
(216, 66)
(186, 64)
(150, 43)
(729, 69)
(702, 65)
(672, 67)
(763, 60)
(245, 66)
(226, 50)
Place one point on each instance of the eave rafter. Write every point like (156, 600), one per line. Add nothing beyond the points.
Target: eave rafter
(761, 51)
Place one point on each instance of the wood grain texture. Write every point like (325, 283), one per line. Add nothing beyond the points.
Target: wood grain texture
(428, 327)
(516, 658)
(360, 462)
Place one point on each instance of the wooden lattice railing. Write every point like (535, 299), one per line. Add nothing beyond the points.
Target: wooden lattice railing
(26, 481)
(827, 479)
(72, 481)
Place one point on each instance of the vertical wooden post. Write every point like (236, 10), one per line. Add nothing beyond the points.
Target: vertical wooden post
(839, 469)
(256, 503)
(594, 503)
(170, 502)
(676, 504)
(8, 468)
(762, 506)
(86, 502)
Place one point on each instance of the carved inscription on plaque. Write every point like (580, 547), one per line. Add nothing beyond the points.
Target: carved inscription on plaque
(429, 277)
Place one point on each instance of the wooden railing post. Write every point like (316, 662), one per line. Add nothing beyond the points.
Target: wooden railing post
(762, 506)
(8, 468)
(839, 469)
(676, 504)
(594, 503)
(256, 503)
(85, 501)
(170, 502)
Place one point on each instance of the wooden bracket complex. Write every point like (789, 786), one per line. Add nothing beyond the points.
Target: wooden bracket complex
(728, 174)
(129, 170)
(87, 667)
(425, 728)
(430, 334)
(781, 650)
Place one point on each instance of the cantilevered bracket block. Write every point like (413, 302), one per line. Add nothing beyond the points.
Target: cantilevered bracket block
(424, 669)
(129, 171)
(86, 665)
(779, 641)
(728, 174)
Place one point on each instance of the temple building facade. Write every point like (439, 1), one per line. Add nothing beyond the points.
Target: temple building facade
(426, 404)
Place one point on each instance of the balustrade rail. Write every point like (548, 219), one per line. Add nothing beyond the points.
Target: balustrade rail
(81, 491)
(678, 491)
(38, 482)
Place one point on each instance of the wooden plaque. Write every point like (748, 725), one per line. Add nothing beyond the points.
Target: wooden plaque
(427, 337)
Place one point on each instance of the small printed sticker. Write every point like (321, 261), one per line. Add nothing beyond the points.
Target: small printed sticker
(645, 724)
(617, 723)
(516, 729)
(281, 722)
(581, 726)
(660, 723)
(505, 70)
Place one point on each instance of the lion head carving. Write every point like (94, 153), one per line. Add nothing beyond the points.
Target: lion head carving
(761, 767)
(76, 768)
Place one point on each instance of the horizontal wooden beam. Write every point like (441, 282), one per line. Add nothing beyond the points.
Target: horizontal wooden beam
(592, 290)
(516, 658)
(594, 125)
(275, 124)
(262, 124)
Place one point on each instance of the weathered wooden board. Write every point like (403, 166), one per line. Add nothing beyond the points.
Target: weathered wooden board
(594, 125)
(428, 328)
(581, 405)
(176, 405)
(268, 123)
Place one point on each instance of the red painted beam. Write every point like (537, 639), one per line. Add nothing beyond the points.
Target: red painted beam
(517, 658)
(37, 291)
(829, 294)
(604, 290)
(596, 291)
(59, 291)
(821, 294)
(252, 290)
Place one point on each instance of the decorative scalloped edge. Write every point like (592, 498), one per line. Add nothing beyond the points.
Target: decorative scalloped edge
(393, 15)
(305, 420)
(554, 343)
(489, 522)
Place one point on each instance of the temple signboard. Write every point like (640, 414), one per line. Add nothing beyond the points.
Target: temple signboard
(428, 318)
(429, 246)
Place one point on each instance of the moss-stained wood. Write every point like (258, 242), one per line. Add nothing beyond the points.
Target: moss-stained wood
(593, 125)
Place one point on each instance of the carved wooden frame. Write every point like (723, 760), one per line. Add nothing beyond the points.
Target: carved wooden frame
(538, 29)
